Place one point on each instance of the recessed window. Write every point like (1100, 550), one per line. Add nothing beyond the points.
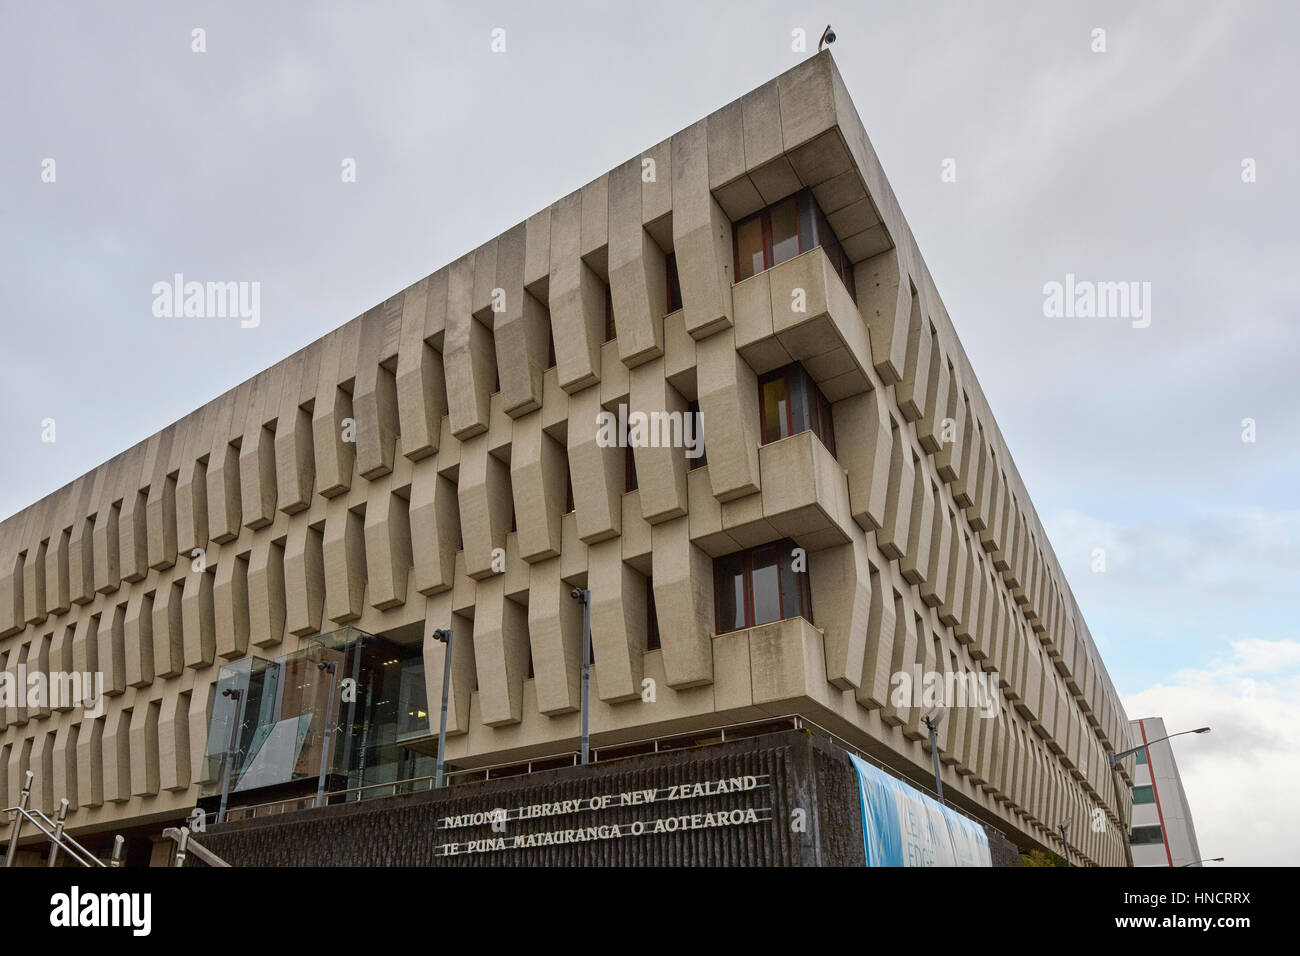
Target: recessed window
(1146, 836)
(652, 617)
(699, 461)
(568, 491)
(1144, 794)
(629, 469)
(784, 230)
(760, 586)
(674, 286)
(609, 315)
(790, 402)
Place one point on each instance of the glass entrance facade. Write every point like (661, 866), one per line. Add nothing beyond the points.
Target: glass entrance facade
(352, 696)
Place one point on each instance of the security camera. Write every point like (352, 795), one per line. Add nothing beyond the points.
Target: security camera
(828, 37)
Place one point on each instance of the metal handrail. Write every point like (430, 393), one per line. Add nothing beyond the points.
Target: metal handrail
(59, 839)
(799, 722)
(53, 832)
(186, 844)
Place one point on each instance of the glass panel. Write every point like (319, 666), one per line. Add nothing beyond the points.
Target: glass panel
(749, 248)
(1146, 836)
(1142, 756)
(785, 231)
(791, 603)
(1145, 794)
(799, 383)
(776, 423)
(766, 587)
(413, 703)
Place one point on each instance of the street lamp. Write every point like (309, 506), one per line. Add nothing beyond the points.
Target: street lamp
(1065, 844)
(327, 735)
(1116, 758)
(1208, 859)
(237, 717)
(583, 597)
(443, 636)
(932, 722)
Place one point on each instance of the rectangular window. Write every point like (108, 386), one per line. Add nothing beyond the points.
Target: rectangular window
(789, 402)
(700, 460)
(629, 469)
(760, 586)
(784, 230)
(1144, 794)
(674, 286)
(652, 617)
(1142, 755)
(550, 347)
(1146, 836)
(609, 315)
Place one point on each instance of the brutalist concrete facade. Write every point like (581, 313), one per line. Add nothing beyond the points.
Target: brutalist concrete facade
(410, 471)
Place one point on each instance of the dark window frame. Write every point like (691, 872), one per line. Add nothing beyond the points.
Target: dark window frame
(673, 282)
(1147, 832)
(652, 640)
(815, 411)
(727, 567)
(812, 228)
(693, 408)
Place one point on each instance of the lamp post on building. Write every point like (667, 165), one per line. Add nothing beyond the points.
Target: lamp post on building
(1065, 844)
(327, 735)
(443, 636)
(583, 597)
(1208, 859)
(236, 718)
(932, 722)
(1116, 758)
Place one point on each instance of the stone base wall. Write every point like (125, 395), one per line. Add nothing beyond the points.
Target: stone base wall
(802, 792)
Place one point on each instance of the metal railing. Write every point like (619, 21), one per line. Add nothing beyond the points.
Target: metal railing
(52, 831)
(186, 845)
(617, 751)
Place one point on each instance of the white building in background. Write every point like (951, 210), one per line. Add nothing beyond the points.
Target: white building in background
(1162, 831)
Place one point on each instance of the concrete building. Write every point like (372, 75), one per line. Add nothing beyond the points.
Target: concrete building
(442, 462)
(1162, 832)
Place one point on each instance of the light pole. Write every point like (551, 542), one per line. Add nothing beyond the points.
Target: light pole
(1208, 859)
(237, 717)
(583, 597)
(1065, 845)
(932, 722)
(443, 636)
(327, 735)
(1116, 758)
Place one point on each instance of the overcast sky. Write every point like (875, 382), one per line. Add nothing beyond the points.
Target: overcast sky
(1122, 165)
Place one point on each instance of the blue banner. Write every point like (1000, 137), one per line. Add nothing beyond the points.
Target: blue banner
(901, 826)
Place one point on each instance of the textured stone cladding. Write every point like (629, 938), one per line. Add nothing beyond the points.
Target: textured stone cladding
(803, 773)
(439, 463)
